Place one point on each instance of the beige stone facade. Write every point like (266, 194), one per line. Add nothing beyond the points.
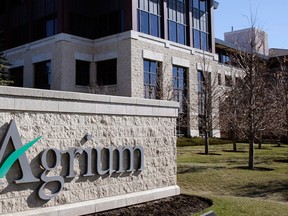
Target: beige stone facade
(63, 119)
(130, 49)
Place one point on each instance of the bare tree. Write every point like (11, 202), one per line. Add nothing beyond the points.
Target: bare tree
(279, 72)
(229, 112)
(257, 100)
(210, 96)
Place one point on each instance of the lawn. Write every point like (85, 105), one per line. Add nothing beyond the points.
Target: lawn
(222, 176)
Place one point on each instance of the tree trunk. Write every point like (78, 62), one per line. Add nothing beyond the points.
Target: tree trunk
(251, 154)
(234, 145)
(206, 143)
(234, 140)
(234, 128)
(286, 138)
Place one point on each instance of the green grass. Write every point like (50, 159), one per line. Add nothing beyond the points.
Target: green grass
(235, 190)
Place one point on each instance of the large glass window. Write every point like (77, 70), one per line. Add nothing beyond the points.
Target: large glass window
(179, 87)
(200, 11)
(16, 75)
(177, 21)
(82, 73)
(151, 79)
(107, 72)
(201, 101)
(201, 92)
(149, 17)
(42, 75)
(180, 95)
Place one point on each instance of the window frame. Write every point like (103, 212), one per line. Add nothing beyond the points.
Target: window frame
(80, 81)
(15, 77)
(228, 81)
(180, 87)
(111, 66)
(151, 78)
(42, 76)
(178, 19)
(152, 13)
(201, 25)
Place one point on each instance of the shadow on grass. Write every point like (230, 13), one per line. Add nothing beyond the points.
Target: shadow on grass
(255, 190)
(255, 168)
(238, 151)
(263, 148)
(183, 170)
(280, 146)
(281, 161)
(209, 154)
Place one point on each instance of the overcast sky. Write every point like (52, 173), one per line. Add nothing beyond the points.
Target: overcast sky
(271, 16)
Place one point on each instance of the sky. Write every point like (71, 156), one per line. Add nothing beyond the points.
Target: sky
(269, 15)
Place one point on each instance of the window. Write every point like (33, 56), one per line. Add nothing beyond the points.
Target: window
(219, 79)
(201, 92)
(151, 79)
(45, 27)
(200, 11)
(179, 87)
(42, 75)
(44, 18)
(16, 75)
(51, 27)
(228, 81)
(180, 95)
(223, 58)
(149, 17)
(107, 72)
(201, 101)
(177, 21)
(82, 73)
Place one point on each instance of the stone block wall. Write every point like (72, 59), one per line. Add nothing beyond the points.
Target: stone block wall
(63, 119)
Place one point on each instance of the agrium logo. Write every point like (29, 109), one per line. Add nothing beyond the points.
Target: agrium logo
(19, 154)
(106, 161)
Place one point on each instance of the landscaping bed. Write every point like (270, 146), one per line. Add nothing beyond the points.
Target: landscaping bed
(176, 205)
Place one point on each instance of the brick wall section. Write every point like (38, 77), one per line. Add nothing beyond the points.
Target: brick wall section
(64, 118)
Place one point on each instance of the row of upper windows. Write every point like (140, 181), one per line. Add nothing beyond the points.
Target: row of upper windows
(149, 21)
(153, 87)
(106, 74)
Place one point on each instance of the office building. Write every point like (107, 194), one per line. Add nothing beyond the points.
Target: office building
(145, 48)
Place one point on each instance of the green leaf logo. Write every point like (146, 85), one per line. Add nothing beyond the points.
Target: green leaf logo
(15, 155)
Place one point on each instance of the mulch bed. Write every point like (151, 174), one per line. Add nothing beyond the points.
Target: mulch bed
(176, 205)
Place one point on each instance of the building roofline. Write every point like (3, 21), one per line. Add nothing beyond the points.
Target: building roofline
(278, 52)
(243, 30)
(232, 47)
